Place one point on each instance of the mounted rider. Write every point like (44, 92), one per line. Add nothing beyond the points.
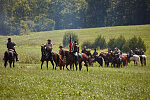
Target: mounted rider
(109, 50)
(62, 52)
(117, 51)
(84, 50)
(75, 51)
(131, 53)
(95, 53)
(137, 51)
(49, 48)
(142, 52)
(11, 46)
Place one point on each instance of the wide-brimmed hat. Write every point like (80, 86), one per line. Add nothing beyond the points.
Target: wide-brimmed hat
(60, 46)
(9, 38)
(48, 40)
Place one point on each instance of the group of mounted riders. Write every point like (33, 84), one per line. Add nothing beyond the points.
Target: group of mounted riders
(115, 57)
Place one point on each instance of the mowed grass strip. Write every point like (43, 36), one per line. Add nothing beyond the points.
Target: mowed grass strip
(29, 82)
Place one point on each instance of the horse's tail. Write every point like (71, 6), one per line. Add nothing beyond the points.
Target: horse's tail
(5, 55)
(139, 61)
(57, 59)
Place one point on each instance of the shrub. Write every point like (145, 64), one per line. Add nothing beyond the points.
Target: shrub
(100, 42)
(87, 44)
(66, 38)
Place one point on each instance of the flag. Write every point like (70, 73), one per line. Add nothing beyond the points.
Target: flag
(70, 43)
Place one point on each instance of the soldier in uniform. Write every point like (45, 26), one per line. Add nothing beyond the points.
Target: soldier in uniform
(75, 52)
(136, 51)
(84, 50)
(131, 53)
(11, 45)
(62, 52)
(95, 53)
(109, 50)
(49, 48)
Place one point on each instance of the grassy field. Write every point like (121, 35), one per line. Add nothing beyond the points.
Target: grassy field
(27, 81)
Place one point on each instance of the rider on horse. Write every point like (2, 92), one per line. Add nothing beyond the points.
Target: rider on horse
(142, 52)
(62, 52)
(117, 51)
(49, 47)
(11, 46)
(109, 50)
(95, 53)
(131, 53)
(75, 51)
(137, 51)
(84, 50)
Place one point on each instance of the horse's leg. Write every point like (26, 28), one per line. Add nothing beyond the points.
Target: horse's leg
(86, 65)
(63, 67)
(5, 63)
(10, 62)
(42, 64)
(145, 61)
(76, 67)
(13, 64)
(60, 67)
(80, 67)
(52, 64)
(47, 64)
(67, 67)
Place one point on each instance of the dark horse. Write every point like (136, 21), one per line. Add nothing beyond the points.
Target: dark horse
(107, 58)
(70, 60)
(9, 55)
(48, 56)
(83, 58)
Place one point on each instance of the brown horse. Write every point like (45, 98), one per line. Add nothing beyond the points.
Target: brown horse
(9, 56)
(62, 62)
(52, 57)
(70, 59)
(83, 58)
(124, 60)
(107, 58)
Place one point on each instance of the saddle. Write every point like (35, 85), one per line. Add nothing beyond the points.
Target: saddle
(80, 55)
(11, 50)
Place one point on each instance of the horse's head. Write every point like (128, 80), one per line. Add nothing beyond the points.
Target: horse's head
(66, 53)
(43, 49)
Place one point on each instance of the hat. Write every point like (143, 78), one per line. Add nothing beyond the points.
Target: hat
(48, 40)
(9, 38)
(60, 47)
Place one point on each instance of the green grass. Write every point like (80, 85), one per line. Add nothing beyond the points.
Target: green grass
(27, 81)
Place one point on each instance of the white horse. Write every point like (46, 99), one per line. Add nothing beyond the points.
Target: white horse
(136, 59)
(143, 59)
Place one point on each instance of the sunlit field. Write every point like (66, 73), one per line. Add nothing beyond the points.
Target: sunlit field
(28, 81)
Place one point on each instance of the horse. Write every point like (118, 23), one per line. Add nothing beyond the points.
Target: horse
(61, 62)
(116, 60)
(9, 55)
(134, 58)
(124, 60)
(70, 60)
(107, 58)
(46, 56)
(97, 59)
(83, 58)
(143, 59)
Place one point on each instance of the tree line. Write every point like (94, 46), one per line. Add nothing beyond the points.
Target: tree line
(120, 42)
(23, 16)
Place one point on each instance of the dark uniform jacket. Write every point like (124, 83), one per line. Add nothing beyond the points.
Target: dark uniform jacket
(95, 53)
(75, 49)
(10, 45)
(62, 53)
